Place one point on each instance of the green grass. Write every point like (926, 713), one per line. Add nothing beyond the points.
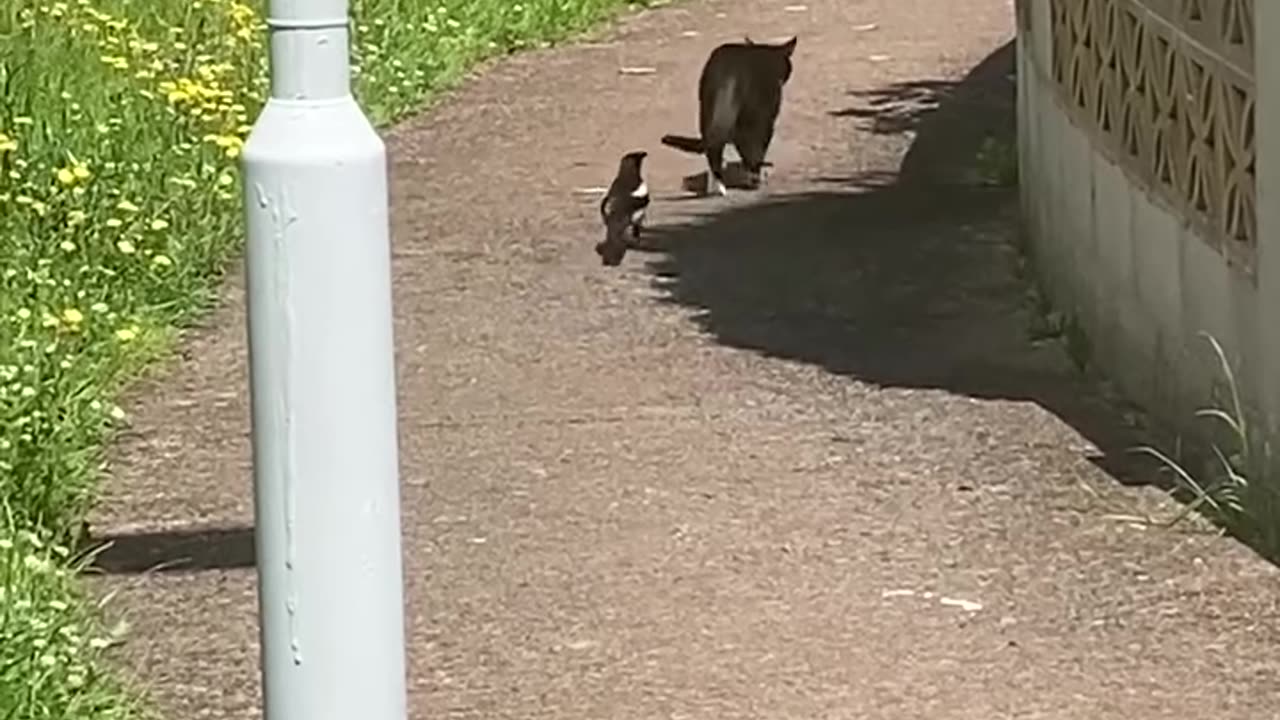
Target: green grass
(119, 209)
(51, 643)
(997, 161)
(1233, 489)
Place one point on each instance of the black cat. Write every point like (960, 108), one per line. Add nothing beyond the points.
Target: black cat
(739, 98)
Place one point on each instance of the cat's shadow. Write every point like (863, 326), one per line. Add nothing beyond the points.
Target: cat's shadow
(736, 178)
(694, 187)
(735, 174)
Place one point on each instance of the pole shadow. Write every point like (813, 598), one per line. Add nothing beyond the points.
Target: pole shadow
(173, 551)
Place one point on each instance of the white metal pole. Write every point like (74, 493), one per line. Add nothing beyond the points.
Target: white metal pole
(322, 379)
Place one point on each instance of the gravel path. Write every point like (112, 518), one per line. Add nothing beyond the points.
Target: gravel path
(799, 460)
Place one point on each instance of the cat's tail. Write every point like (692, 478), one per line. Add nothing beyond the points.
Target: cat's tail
(724, 116)
(683, 143)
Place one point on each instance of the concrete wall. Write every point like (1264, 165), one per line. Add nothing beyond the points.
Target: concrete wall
(1129, 257)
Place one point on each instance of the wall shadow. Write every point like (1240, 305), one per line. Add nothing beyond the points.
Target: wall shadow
(898, 107)
(908, 281)
(985, 92)
(173, 551)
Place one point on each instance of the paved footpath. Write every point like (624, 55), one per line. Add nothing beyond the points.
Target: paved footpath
(760, 471)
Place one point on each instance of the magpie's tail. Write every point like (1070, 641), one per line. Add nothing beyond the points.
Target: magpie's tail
(611, 252)
(614, 246)
(685, 144)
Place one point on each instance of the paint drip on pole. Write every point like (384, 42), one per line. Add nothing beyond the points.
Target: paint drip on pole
(322, 380)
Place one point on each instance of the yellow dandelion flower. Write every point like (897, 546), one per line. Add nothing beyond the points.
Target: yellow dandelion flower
(126, 247)
(125, 334)
(77, 217)
(81, 171)
(72, 316)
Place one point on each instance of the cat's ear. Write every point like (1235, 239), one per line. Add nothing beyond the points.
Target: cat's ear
(789, 46)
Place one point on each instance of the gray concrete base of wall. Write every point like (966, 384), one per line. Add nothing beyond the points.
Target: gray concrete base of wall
(1142, 283)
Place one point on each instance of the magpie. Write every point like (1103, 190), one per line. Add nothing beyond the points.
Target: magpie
(623, 208)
